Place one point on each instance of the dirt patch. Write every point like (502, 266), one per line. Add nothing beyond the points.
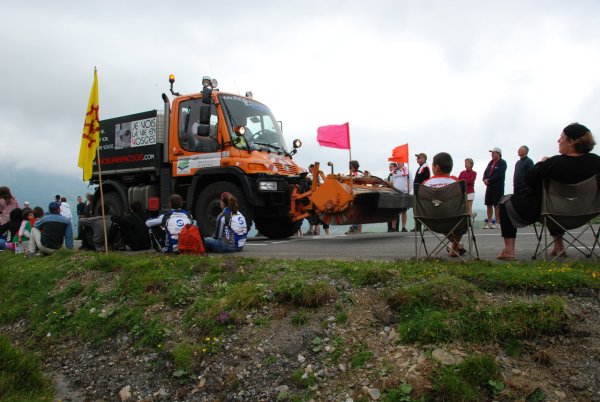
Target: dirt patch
(347, 348)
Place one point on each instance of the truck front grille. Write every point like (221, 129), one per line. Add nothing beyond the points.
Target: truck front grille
(287, 169)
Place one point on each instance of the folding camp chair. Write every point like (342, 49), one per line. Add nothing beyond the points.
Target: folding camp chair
(157, 238)
(443, 210)
(567, 207)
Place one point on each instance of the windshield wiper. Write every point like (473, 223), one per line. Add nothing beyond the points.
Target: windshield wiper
(275, 147)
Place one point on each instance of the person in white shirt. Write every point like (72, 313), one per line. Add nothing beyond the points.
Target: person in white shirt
(441, 168)
(172, 222)
(399, 178)
(65, 209)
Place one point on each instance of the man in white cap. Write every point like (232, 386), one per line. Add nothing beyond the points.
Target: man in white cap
(493, 178)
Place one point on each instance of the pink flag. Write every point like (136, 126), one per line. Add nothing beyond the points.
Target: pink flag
(336, 136)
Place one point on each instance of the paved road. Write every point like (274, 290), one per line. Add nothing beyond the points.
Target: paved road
(385, 246)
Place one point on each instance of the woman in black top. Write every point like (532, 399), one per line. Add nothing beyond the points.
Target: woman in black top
(574, 163)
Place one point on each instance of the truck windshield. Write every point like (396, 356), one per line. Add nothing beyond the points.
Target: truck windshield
(262, 130)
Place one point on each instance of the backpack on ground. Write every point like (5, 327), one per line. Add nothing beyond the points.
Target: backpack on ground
(237, 224)
(190, 240)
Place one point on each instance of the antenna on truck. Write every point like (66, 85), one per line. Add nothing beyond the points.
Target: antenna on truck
(172, 81)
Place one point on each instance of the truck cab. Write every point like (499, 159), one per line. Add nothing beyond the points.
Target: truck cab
(208, 143)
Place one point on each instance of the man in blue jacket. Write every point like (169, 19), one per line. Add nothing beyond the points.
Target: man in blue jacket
(493, 178)
(49, 233)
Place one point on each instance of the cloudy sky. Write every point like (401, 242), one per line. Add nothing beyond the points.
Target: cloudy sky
(460, 76)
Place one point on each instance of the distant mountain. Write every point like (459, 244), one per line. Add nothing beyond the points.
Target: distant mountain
(39, 188)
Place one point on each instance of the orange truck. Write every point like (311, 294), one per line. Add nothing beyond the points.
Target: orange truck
(209, 142)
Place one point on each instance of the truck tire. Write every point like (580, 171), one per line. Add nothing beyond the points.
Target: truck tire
(280, 227)
(208, 206)
(113, 202)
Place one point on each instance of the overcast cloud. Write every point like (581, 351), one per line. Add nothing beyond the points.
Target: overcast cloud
(461, 76)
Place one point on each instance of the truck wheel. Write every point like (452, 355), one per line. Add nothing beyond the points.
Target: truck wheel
(113, 202)
(208, 206)
(277, 227)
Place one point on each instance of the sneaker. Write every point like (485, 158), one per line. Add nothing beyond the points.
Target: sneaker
(494, 226)
(404, 230)
(30, 255)
(487, 226)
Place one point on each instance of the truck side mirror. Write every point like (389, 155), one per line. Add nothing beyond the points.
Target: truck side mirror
(206, 95)
(203, 130)
(205, 114)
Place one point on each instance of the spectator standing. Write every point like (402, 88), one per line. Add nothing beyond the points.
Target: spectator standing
(80, 207)
(355, 173)
(49, 233)
(493, 177)
(7, 204)
(423, 173)
(89, 203)
(398, 178)
(523, 165)
(468, 176)
(314, 222)
(65, 209)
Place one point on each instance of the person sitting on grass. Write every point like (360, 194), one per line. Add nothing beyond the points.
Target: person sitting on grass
(441, 168)
(132, 227)
(172, 222)
(49, 233)
(231, 232)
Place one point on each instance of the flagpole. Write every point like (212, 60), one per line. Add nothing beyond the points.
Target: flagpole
(350, 156)
(102, 201)
(101, 189)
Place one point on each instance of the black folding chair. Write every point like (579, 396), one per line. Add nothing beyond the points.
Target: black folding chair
(443, 210)
(566, 207)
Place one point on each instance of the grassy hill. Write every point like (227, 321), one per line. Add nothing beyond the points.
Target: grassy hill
(151, 327)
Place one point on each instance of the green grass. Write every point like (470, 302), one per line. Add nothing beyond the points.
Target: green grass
(93, 297)
(21, 377)
(302, 379)
(447, 309)
(475, 379)
(184, 356)
(300, 317)
(361, 355)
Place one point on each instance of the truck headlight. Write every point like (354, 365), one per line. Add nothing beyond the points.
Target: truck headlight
(267, 186)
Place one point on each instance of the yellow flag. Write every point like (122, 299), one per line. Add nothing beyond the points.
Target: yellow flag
(91, 132)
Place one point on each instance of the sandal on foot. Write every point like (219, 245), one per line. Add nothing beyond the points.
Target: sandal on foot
(507, 258)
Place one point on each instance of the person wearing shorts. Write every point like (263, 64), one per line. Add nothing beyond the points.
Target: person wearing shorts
(468, 176)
